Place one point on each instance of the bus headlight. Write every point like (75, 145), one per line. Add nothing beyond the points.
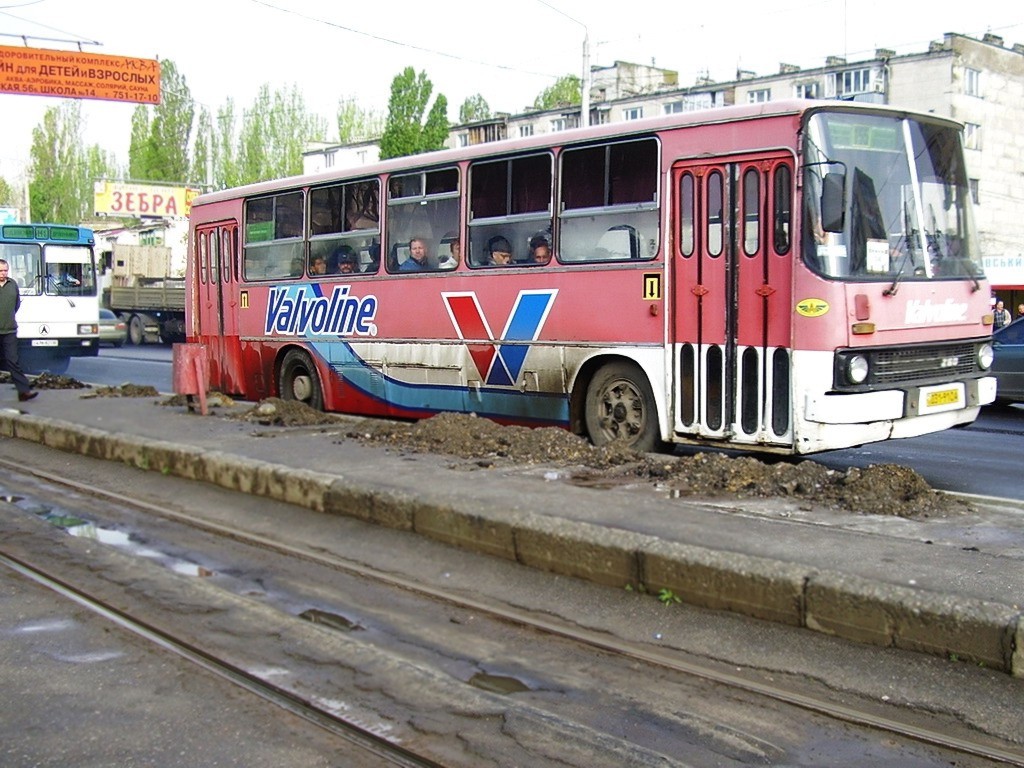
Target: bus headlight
(856, 369)
(985, 356)
(88, 330)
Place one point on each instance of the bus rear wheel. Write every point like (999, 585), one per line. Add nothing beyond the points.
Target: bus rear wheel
(299, 380)
(620, 408)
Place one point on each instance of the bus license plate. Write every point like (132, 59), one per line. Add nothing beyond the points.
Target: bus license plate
(44, 342)
(942, 398)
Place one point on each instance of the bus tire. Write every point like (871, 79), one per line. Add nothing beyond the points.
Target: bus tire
(299, 380)
(620, 407)
(136, 331)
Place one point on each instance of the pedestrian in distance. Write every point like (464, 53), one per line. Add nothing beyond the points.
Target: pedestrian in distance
(10, 303)
(1020, 311)
(1001, 316)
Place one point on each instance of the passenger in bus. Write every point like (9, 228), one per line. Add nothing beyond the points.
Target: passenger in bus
(499, 251)
(417, 261)
(319, 266)
(454, 256)
(345, 260)
(540, 250)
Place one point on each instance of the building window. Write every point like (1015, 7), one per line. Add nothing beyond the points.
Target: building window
(974, 191)
(972, 136)
(673, 107)
(329, 159)
(856, 81)
(972, 82)
(632, 113)
(558, 124)
(463, 139)
(806, 90)
(526, 130)
(759, 96)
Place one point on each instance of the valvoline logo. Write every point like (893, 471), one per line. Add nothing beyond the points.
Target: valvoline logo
(500, 364)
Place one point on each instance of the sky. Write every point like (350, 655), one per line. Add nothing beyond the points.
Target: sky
(507, 52)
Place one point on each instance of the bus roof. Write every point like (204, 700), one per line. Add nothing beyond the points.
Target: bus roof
(728, 114)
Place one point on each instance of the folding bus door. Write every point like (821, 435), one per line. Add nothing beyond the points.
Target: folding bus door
(732, 276)
(219, 305)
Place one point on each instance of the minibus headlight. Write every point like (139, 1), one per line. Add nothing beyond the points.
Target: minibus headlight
(857, 369)
(985, 356)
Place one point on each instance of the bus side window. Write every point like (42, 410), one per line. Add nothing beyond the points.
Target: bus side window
(610, 202)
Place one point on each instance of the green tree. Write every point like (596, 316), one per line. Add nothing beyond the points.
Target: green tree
(225, 157)
(406, 132)
(356, 123)
(61, 169)
(54, 165)
(474, 108)
(567, 91)
(159, 149)
(202, 151)
(8, 194)
(137, 156)
(274, 135)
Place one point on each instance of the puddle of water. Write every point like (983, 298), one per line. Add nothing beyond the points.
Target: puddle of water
(83, 529)
(332, 620)
(497, 683)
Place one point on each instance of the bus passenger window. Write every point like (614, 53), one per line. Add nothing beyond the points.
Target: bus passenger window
(610, 202)
(510, 199)
(422, 221)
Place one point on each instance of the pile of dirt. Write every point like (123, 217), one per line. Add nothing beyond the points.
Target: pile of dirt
(286, 413)
(48, 381)
(125, 390)
(883, 489)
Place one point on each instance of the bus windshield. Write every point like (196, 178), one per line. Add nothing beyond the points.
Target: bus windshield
(69, 270)
(887, 199)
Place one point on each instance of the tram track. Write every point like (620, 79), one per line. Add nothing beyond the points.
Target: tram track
(362, 738)
(647, 655)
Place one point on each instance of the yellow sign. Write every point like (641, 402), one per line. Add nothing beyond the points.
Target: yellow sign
(243, 300)
(117, 199)
(812, 307)
(652, 286)
(77, 75)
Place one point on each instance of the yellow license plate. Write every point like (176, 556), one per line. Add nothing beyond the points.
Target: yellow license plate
(943, 397)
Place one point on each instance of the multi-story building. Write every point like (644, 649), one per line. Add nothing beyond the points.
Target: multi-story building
(979, 83)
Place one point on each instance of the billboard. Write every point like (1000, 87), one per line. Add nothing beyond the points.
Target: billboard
(77, 75)
(115, 198)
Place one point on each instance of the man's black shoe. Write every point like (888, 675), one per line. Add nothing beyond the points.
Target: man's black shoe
(23, 396)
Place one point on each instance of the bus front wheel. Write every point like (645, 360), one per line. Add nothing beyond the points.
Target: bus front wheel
(299, 381)
(621, 408)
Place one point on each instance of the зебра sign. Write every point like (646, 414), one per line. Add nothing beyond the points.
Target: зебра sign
(76, 75)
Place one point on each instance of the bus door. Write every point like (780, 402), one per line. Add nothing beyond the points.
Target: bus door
(732, 225)
(218, 305)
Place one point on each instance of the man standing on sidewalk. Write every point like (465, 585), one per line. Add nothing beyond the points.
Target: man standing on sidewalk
(10, 301)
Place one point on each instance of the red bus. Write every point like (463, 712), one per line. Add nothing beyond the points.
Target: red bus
(790, 277)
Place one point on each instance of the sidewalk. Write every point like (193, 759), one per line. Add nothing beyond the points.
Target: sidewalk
(947, 586)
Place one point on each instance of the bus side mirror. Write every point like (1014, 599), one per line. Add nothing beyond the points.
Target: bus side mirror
(833, 202)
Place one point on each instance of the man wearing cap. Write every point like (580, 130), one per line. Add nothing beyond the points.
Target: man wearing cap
(500, 251)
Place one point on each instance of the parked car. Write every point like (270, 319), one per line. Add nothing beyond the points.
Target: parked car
(113, 329)
(1008, 362)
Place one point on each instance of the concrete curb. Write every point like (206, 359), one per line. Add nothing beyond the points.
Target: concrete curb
(834, 603)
